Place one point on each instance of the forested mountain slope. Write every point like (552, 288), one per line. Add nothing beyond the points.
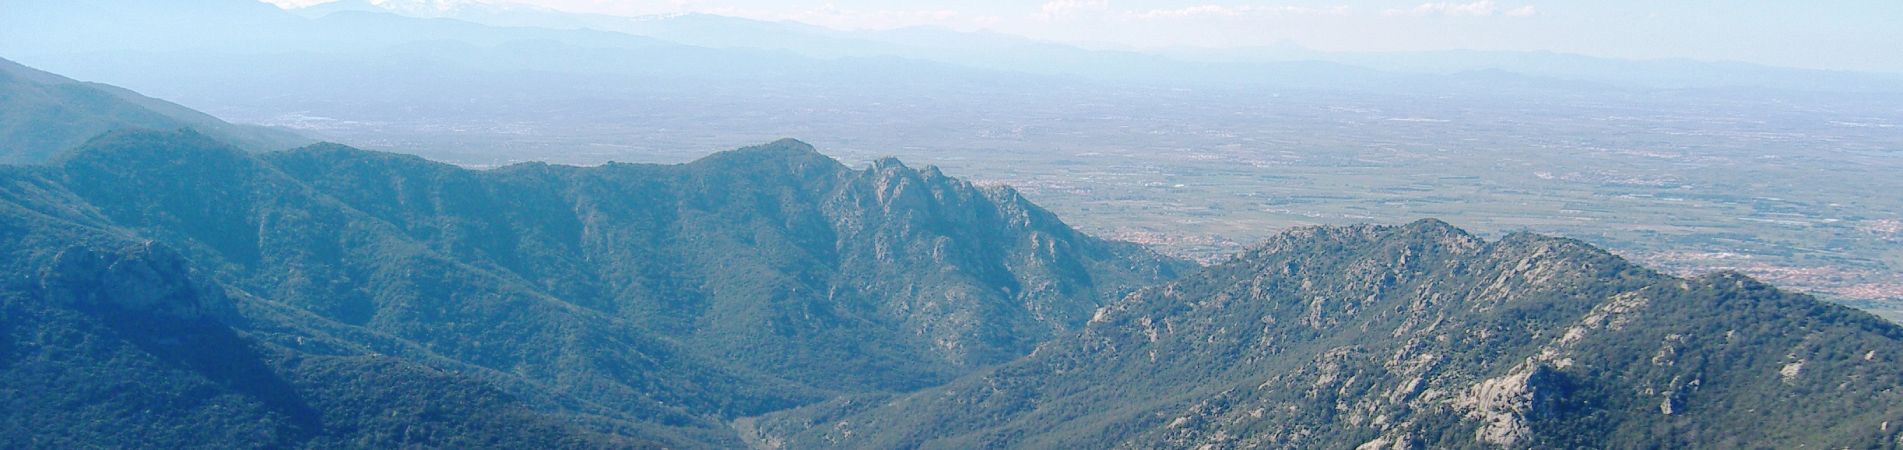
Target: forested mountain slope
(659, 300)
(1419, 336)
(43, 114)
(112, 341)
(774, 256)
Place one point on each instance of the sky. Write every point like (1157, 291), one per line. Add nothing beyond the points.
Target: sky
(1820, 34)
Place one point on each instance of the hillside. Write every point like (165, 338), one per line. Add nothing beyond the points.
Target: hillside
(654, 301)
(42, 114)
(774, 297)
(909, 275)
(1419, 336)
(112, 342)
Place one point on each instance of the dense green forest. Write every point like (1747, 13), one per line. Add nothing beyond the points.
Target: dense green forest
(345, 296)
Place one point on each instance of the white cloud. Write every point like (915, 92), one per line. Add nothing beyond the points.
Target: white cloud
(1056, 9)
(1233, 11)
(831, 16)
(294, 4)
(409, 7)
(1480, 8)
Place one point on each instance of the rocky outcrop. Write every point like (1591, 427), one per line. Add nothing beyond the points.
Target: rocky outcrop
(139, 277)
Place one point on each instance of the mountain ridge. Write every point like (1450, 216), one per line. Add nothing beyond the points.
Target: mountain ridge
(1413, 336)
(849, 202)
(43, 115)
(661, 298)
(1001, 51)
(772, 296)
(113, 340)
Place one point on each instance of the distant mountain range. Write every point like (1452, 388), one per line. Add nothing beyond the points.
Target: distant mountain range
(996, 51)
(168, 289)
(195, 52)
(455, 84)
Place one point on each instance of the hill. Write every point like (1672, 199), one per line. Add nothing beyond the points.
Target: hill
(622, 303)
(1419, 336)
(110, 341)
(42, 114)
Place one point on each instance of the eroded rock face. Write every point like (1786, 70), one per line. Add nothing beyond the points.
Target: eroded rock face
(1505, 407)
(142, 277)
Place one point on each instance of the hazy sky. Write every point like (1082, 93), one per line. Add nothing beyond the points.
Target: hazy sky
(1843, 34)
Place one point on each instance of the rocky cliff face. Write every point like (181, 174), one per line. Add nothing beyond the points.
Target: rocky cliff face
(1418, 336)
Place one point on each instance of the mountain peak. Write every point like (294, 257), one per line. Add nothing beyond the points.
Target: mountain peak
(786, 156)
(1432, 226)
(142, 145)
(1432, 233)
(790, 144)
(888, 162)
(783, 149)
(1438, 231)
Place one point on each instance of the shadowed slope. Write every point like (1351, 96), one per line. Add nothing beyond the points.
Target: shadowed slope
(108, 342)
